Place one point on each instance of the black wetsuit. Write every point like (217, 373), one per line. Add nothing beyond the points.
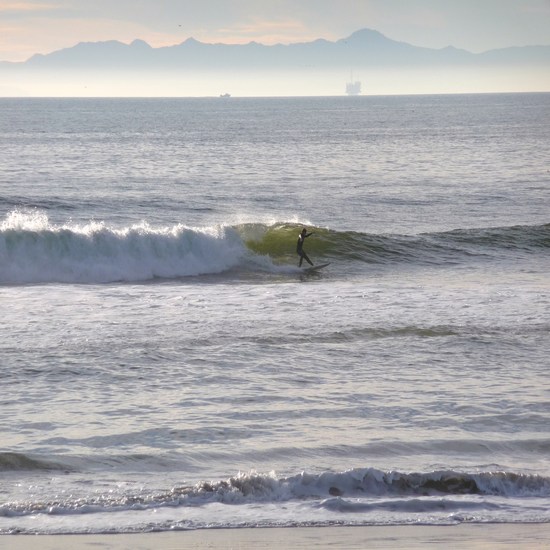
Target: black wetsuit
(300, 249)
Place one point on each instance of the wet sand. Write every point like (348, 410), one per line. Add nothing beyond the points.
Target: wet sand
(456, 537)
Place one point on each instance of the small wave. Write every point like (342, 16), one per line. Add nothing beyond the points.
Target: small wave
(413, 505)
(250, 488)
(372, 482)
(18, 462)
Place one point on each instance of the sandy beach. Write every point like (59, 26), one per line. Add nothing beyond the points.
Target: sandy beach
(490, 536)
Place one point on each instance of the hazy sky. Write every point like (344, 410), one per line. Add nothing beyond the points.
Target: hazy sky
(42, 26)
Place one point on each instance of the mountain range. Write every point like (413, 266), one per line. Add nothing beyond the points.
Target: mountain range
(364, 48)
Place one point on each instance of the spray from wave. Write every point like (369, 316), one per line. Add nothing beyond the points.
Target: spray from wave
(34, 250)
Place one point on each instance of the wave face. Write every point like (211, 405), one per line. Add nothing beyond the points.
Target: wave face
(32, 250)
(10, 462)
(428, 248)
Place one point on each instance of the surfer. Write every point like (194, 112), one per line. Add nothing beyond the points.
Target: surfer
(300, 247)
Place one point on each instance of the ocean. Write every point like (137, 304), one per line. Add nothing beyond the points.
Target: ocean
(166, 365)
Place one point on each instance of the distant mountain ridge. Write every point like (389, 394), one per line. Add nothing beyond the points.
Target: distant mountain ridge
(363, 48)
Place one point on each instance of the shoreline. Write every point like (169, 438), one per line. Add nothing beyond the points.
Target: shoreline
(462, 536)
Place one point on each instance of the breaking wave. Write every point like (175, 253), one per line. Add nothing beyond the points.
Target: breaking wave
(374, 486)
(33, 250)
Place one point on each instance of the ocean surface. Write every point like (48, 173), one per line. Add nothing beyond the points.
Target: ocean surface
(165, 364)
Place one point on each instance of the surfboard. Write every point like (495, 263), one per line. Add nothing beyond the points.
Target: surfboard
(315, 267)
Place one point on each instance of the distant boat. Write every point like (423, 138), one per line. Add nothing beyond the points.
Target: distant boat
(225, 96)
(353, 88)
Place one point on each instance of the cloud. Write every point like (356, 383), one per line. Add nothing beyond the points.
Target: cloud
(266, 31)
(19, 41)
(26, 7)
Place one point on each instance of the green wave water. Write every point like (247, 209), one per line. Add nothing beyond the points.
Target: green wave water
(278, 241)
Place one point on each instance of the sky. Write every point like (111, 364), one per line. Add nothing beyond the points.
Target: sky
(42, 26)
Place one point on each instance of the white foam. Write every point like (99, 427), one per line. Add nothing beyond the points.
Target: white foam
(34, 250)
(253, 499)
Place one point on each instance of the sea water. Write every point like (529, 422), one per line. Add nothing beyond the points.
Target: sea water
(165, 363)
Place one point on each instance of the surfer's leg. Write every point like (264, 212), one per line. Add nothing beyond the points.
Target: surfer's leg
(307, 259)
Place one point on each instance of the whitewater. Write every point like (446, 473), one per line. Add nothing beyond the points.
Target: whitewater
(167, 365)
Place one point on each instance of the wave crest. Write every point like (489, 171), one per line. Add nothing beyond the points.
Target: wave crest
(326, 489)
(34, 250)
